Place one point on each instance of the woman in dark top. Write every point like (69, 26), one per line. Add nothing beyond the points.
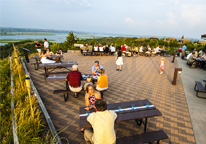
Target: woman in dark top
(119, 60)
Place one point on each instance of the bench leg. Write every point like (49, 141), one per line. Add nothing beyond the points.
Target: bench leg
(195, 87)
(36, 66)
(139, 121)
(145, 125)
(66, 96)
(101, 92)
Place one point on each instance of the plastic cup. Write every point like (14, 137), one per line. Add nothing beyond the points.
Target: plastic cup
(132, 106)
(95, 74)
(54, 76)
(88, 112)
(119, 108)
(147, 104)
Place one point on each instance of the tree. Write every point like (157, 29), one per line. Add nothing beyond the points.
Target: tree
(183, 36)
(70, 40)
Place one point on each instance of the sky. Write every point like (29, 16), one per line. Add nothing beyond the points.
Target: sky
(132, 17)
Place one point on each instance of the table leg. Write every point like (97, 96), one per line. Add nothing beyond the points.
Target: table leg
(66, 95)
(45, 69)
(36, 65)
(145, 125)
(139, 121)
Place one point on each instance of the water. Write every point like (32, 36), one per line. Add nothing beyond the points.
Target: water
(61, 37)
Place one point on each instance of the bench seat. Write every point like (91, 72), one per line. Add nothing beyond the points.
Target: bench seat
(199, 88)
(54, 73)
(143, 138)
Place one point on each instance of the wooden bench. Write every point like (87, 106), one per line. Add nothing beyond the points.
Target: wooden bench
(143, 138)
(36, 65)
(199, 88)
(54, 73)
(65, 92)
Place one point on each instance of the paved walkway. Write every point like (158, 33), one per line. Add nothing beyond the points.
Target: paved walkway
(197, 106)
(139, 79)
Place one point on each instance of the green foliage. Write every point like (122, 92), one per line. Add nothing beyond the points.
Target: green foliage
(183, 37)
(70, 40)
(5, 113)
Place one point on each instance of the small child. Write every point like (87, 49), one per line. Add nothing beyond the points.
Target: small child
(162, 63)
(89, 79)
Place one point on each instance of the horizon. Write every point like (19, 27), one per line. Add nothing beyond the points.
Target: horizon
(172, 18)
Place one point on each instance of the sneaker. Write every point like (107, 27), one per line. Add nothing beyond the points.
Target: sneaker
(117, 69)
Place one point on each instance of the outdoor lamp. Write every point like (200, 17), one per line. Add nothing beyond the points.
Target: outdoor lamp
(27, 79)
(177, 70)
(15, 58)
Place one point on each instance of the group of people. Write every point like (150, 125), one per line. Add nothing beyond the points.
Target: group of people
(46, 55)
(97, 49)
(194, 55)
(102, 120)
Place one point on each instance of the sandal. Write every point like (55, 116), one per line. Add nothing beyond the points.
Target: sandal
(82, 132)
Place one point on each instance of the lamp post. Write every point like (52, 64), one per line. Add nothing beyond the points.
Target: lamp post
(177, 70)
(27, 79)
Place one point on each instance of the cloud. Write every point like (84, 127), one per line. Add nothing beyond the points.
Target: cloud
(176, 2)
(194, 15)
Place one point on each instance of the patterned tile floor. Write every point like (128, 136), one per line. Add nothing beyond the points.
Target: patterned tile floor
(139, 79)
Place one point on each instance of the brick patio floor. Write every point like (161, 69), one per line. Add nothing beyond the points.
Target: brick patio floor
(139, 79)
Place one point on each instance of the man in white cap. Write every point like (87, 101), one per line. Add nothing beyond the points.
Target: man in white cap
(74, 77)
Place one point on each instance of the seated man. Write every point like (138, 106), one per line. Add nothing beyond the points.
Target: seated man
(141, 49)
(188, 56)
(112, 49)
(158, 50)
(128, 51)
(103, 125)
(74, 77)
(96, 67)
(154, 51)
(192, 59)
(90, 48)
(200, 53)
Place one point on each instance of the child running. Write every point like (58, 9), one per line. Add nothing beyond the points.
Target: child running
(162, 63)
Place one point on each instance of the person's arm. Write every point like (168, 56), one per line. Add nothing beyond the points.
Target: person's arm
(67, 78)
(81, 78)
(98, 95)
(93, 71)
(98, 81)
(87, 102)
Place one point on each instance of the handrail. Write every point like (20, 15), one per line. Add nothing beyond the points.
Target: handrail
(48, 119)
(14, 125)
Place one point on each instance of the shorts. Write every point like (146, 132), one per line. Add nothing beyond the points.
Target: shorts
(39, 50)
(75, 89)
(161, 67)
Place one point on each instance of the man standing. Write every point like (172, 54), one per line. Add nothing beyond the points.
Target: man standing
(183, 51)
(74, 77)
(96, 67)
(38, 46)
(46, 44)
(102, 123)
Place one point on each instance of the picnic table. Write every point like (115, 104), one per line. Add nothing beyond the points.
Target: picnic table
(132, 110)
(54, 66)
(62, 77)
(164, 52)
(36, 64)
(201, 62)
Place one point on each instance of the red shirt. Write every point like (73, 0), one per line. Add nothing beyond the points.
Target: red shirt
(123, 48)
(74, 78)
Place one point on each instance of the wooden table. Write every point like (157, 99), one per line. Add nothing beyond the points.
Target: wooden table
(140, 112)
(36, 64)
(54, 66)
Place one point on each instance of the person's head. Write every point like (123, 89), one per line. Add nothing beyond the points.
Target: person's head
(200, 50)
(86, 44)
(90, 89)
(96, 63)
(37, 40)
(49, 49)
(102, 71)
(119, 48)
(193, 53)
(45, 39)
(89, 79)
(101, 105)
(163, 59)
(44, 52)
(74, 68)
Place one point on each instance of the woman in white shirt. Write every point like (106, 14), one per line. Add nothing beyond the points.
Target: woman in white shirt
(96, 49)
(101, 49)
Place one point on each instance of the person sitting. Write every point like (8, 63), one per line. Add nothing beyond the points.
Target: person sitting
(141, 49)
(158, 50)
(59, 52)
(146, 51)
(203, 55)
(102, 82)
(188, 56)
(90, 98)
(81, 47)
(44, 57)
(192, 59)
(135, 51)
(153, 51)
(89, 82)
(74, 77)
(103, 125)
(96, 67)
(84, 50)
(196, 54)
(123, 48)
(101, 49)
(128, 53)
(106, 49)
(200, 53)
(96, 49)
(90, 48)
(112, 49)
(49, 52)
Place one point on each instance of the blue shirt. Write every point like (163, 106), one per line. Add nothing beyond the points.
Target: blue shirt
(184, 48)
(94, 67)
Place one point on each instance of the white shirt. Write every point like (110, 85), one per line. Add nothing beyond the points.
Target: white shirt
(101, 49)
(103, 125)
(46, 44)
(140, 50)
(96, 48)
(113, 49)
(157, 49)
(188, 56)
